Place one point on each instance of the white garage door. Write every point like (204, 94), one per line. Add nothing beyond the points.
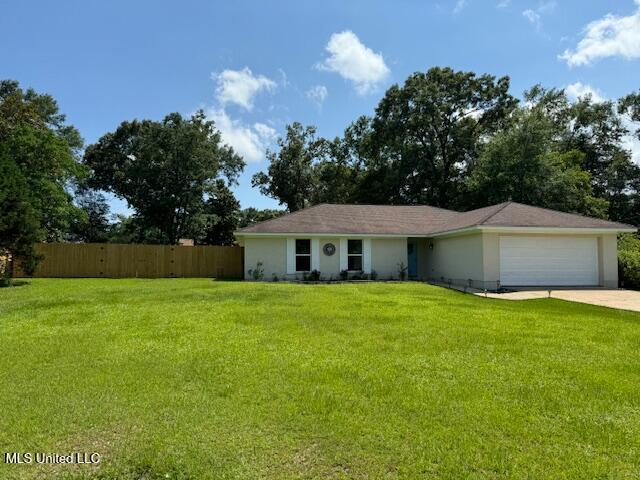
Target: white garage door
(548, 261)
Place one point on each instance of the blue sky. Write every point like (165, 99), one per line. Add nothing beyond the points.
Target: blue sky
(255, 66)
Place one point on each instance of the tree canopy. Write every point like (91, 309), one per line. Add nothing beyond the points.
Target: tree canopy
(425, 133)
(39, 162)
(290, 176)
(165, 171)
(527, 163)
(459, 140)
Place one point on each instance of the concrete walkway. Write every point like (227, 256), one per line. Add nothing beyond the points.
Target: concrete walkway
(621, 299)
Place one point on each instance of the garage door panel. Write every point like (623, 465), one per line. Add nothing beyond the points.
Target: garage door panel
(553, 261)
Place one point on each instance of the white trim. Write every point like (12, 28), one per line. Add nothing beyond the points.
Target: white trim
(542, 230)
(343, 254)
(559, 230)
(315, 254)
(366, 255)
(291, 255)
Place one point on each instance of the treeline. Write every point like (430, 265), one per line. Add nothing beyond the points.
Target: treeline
(444, 138)
(460, 141)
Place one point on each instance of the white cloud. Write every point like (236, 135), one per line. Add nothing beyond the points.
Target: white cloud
(354, 61)
(503, 3)
(610, 36)
(535, 15)
(459, 6)
(318, 94)
(532, 16)
(241, 86)
(284, 80)
(250, 141)
(265, 131)
(579, 90)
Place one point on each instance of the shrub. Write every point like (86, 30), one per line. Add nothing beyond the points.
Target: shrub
(312, 276)
(257, 273)
(275, 278)
(373, 275)
(402, 271)
(344, 274)
(629, 261)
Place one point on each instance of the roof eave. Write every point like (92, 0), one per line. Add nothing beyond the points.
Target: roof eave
(539, 230)
(343, 234)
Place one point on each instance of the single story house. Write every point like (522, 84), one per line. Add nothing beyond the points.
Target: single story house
(509, 244)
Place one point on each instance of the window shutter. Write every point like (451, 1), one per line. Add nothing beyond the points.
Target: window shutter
(315, 254)
(366, 255)
(343, 254)
(291, 255)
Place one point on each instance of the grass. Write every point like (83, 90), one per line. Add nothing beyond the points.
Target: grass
(191, 378)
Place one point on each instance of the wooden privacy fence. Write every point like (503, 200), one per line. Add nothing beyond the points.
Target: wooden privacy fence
(146, 261)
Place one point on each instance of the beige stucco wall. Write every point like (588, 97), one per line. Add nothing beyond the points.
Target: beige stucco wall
(386, 254)
(491, 257)
(272, 252)
(458, 258)
(473, 256)
(330, 265)
(608, 260)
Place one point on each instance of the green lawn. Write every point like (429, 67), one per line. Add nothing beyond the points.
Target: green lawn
(191, 378)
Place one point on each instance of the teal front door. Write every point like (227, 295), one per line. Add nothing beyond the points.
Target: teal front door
(412, 258)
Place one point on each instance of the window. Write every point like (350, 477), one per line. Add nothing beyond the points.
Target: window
(354, 255)
(303, 255)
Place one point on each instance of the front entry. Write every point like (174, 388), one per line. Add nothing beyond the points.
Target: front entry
(412, 258)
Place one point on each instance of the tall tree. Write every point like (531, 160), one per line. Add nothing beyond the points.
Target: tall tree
(599, 179)
(596, 130)
(164, 170)
(339, 172)
(522, 164)
(39, 162)
(220, 218)
(93, 226)
(290, 177)
(19, 225)
(425, 134)
(630, 105)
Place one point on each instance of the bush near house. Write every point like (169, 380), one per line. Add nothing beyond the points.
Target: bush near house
(629, 261)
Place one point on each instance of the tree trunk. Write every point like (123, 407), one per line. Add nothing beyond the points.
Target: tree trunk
(7, 270)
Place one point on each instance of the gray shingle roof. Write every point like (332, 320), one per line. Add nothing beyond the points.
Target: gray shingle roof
(419, 220)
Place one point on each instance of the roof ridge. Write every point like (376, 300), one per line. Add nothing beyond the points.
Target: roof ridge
(386, 205)
(569, 213)
(492, 214)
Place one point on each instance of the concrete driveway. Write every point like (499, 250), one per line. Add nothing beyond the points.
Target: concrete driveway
(622, 299)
